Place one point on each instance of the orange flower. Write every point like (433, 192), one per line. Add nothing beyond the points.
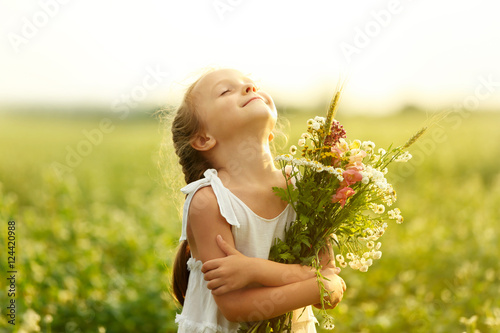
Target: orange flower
(342, 195)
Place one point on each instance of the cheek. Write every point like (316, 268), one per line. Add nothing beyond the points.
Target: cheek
(221, 120)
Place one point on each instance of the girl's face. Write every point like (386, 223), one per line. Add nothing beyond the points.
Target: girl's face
(229, 104)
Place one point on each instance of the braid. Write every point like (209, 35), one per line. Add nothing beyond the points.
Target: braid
(184, 127)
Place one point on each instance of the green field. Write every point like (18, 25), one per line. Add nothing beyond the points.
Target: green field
(96, 233)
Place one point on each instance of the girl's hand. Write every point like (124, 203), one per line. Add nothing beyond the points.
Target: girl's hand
(327, 257)
(335, 287)
(230, 273)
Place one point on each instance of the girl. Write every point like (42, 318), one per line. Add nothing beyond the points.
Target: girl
(231, 216)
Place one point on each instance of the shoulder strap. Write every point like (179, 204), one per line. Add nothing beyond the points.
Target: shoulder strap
(221, 193)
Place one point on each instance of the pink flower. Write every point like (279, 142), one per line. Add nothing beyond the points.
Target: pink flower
(288, 171)
(351, 176)
(359, 166)
(342, 195)
(337, 151)
(357, 156)
(292, 174)
(340, 148)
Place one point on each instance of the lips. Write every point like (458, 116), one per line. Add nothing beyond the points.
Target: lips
(251, 99)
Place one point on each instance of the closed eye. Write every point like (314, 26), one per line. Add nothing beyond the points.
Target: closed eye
(225, 91)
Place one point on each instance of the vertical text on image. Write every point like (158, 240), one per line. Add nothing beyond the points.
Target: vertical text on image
(11, 272)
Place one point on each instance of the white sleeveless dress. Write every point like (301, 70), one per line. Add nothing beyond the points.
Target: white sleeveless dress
(253, 237)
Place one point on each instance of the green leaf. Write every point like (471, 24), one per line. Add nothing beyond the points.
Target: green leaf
(282, 193)
(304, 219)
(296, 248)
(287, 257)
(306, 242)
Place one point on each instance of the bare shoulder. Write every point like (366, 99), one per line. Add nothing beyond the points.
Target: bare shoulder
(204, 223)
(204, 206)
(204, 199)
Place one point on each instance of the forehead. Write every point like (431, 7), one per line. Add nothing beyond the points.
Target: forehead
(207, 82)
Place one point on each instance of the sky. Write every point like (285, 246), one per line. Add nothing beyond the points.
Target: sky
(432, 54)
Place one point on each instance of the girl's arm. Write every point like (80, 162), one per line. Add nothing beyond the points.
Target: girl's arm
(205, 223)
(254, 304)
(237, 271)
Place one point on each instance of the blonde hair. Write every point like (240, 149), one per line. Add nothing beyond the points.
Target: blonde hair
(185, 126)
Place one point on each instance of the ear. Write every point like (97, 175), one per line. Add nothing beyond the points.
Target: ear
(271, 137)
(203, 142)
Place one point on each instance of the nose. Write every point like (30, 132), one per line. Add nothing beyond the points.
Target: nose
(248, 87)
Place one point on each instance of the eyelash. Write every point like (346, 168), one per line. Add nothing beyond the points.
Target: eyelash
(228, 90)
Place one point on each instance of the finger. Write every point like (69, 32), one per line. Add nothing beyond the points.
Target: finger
(330, 249)
(220, 291)
(225, 247)
(331, 264)
(342, 281)
(331, 254)
(210, 265)
(338, 298)
(210, 276)
(214, 284)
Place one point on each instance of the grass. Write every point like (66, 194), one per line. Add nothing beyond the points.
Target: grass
(95, 242)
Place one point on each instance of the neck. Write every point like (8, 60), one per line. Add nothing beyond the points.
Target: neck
(243, 161)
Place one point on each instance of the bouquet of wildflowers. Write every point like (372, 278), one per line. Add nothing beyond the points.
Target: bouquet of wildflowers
(341, 196)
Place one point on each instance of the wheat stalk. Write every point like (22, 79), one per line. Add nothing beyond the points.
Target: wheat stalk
(414, 137)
